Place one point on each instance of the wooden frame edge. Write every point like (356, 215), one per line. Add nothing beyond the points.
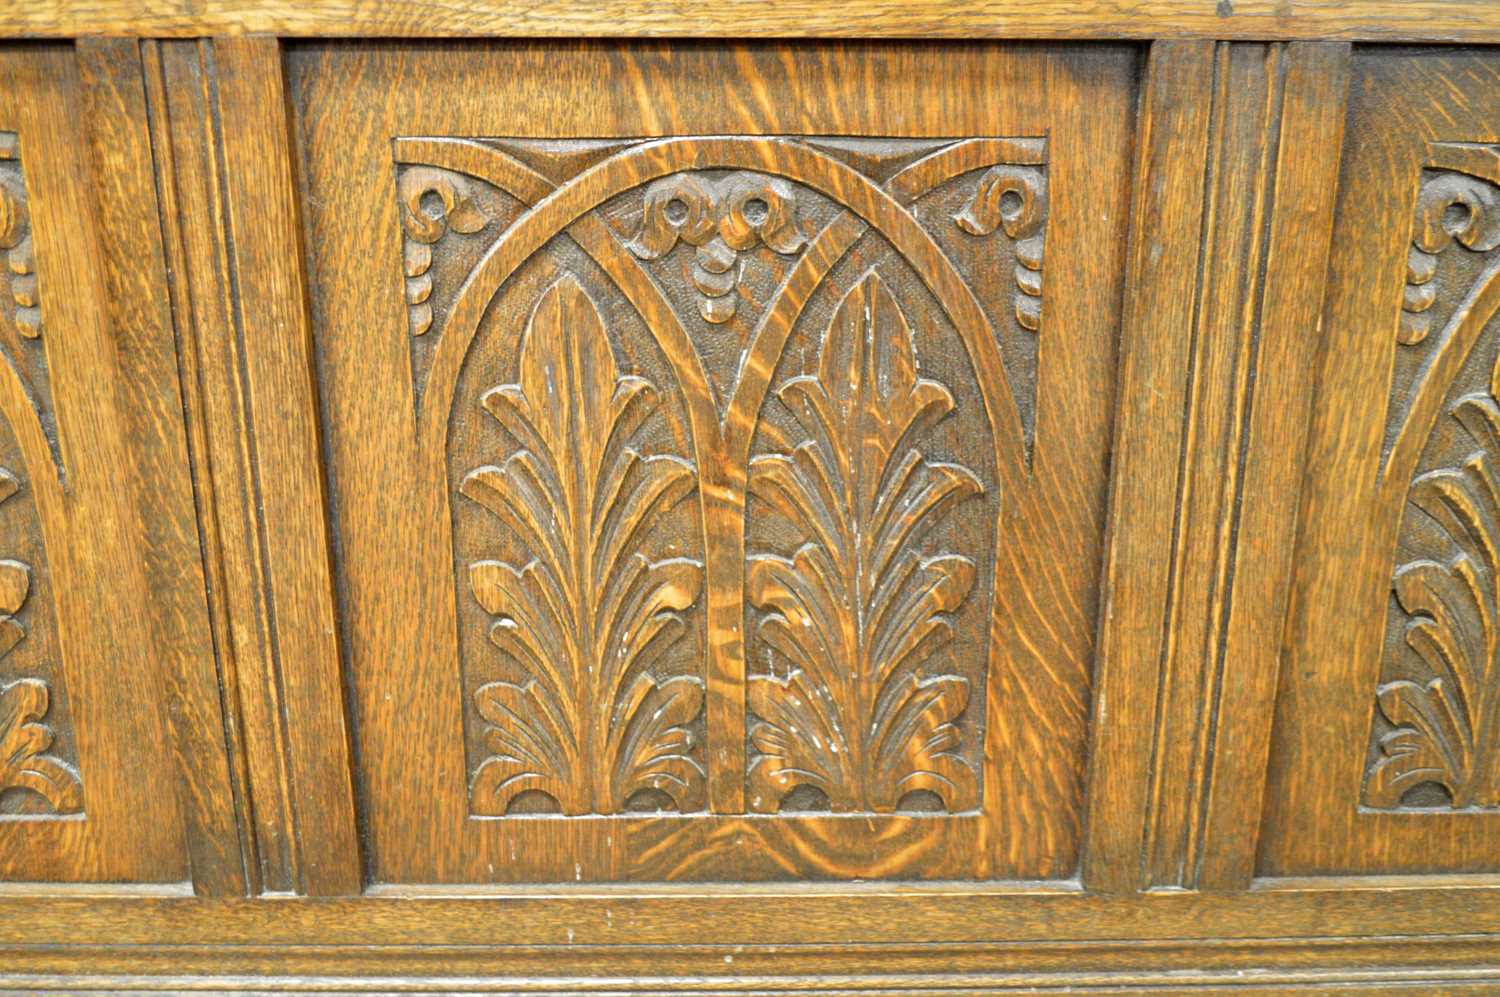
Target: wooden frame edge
(1370, 20)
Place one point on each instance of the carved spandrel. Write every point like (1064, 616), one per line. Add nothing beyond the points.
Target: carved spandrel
(1435, 740)
(623, 581)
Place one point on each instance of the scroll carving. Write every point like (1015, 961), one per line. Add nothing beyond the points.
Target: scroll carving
(1451, 208)
(859, 612)
(1014, 197)
(433, 202)
(590, 617)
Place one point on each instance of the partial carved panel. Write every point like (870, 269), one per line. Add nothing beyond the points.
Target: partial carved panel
(20, 304)
(726, 424)
(38, 772)
(1435, 741)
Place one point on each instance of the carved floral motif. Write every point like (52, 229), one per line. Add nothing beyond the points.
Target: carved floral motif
(860, 612)
(720, 219)
(590, 619)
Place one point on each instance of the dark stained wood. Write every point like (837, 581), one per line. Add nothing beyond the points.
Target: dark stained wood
(1388, 684)
(962, 20)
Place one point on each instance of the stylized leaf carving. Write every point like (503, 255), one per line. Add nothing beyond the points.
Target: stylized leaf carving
(590, 619)
(1447, 729)
(24, 740)
(860, 613)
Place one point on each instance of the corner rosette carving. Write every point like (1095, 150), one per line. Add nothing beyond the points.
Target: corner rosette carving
(433, 202)
(1446, 728)
(590, 620)
(1014, 198)
(720, 219)
(1451, 208)
(860, 613)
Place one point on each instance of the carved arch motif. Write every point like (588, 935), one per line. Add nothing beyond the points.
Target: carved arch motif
(595, 586)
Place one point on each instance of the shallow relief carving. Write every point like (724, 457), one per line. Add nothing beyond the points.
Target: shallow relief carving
(726, 426)
(1435, 741)
(38, 773)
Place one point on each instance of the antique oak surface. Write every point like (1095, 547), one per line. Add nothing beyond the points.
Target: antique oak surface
(638, 498)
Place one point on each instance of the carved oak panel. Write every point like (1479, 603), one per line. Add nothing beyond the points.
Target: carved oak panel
(727, 487)
(1387, 715)
(38, 761)
(714, 424)
(85, 774)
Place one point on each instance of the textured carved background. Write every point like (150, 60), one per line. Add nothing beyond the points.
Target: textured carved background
(1436, 736)
(724, 471)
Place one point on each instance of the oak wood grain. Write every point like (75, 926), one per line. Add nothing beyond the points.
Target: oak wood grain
(233, 243)
(1409, 344)
(1368, 20)
(58, 393)
(124, 178)
(786, 939)
(396, 434)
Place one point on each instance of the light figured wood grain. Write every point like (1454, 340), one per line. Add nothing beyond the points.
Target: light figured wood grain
(232, 242)
(142, 324)
(1397, 444)
(126, 823)
(401, 399)
(1212, 600)
(1373, 20)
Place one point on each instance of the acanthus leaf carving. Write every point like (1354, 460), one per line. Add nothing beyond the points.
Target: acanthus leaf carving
(1446, 729)
(25, 763)
(24, 740)
(590, 619)
(859, 613)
